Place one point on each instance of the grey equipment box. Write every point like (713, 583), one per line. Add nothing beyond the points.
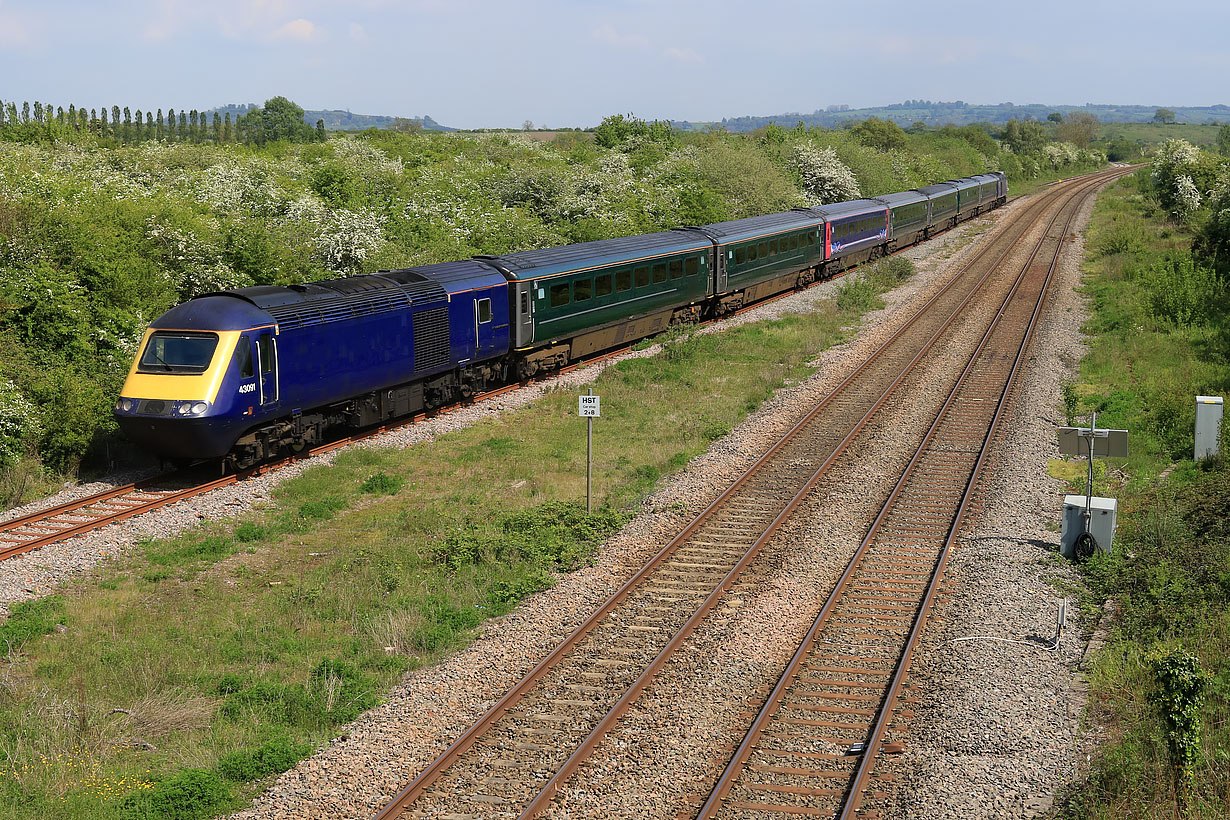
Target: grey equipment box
(1208, 426)
(1101, 522)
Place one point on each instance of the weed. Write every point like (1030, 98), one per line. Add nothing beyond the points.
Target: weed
(382, 484)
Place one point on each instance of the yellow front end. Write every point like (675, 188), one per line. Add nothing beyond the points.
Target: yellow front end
(181, 386)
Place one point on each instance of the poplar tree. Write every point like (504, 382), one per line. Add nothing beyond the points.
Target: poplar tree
(182, 133)
(102, 121)
(115, 119)
(149, 125)
(72, 115)
(170, 125)
(38, 111)
(226, 128)
(127, 125)
(60, 115)
(93, 120)
(138, 120)
(2, 109)
(25, 112)
(194, 128)
(158, 127)
(217, 127)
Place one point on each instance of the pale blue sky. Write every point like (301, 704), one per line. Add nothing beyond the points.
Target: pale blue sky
(483, 63)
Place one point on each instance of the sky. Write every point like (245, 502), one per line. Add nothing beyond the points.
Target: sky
(569, 63)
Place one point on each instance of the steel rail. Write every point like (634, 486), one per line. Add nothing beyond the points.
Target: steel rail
(748, 745)
(426, 777)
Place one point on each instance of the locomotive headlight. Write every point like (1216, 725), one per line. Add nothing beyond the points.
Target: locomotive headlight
(125, 405)
(191, 408)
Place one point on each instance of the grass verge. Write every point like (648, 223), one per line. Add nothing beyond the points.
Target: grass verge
(1159, 338)
(180, 679)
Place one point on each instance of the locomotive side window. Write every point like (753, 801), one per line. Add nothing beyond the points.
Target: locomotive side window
(676, 268)
(484, 310)
(642, 276)
(266, 351)
(623, 279)
(659, 273)
(693, 266)
(559, 295)
(243, 358)
(581, 289)
(602, 285)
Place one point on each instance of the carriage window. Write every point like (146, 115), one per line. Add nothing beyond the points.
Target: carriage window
(484, 311)
(602, 285)
(773, 247)
(794, 242)
(659, 273)
(623, 279)
(676, 268)
(642, 277)
(811, 238)
(762, 250)
(693, 266)
(740, 255)
(559, 295)
(751, 253)
(582, 289)
(243, 358)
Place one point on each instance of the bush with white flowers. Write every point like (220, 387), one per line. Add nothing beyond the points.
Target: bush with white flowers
(823, 176)
(19, 425)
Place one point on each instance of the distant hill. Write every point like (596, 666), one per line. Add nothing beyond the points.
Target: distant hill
(338, 120)
(962, 113)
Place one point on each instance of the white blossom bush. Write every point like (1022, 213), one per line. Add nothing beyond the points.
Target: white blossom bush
(1186, 198)
(19, 425)
(1061, 154)
(823, 176)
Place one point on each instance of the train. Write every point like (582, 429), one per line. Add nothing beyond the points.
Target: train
(249, 374)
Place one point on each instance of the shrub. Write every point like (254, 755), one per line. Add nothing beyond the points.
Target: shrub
(1181, 292)
(29, 619)
(187, 795)
(272, 757)
(823, 176)
(382, 484)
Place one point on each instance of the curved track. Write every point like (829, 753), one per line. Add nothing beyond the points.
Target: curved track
(511, 762)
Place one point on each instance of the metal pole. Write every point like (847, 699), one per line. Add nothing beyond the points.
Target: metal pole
(1093, 426)
(589, 464)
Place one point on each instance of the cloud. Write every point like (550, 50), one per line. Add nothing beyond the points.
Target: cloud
(357, 33)
(302, 30)
(14, 30)
(684, 55)
(606, 33)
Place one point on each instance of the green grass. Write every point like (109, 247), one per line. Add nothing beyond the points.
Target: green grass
(1170, 571)
(235, 649)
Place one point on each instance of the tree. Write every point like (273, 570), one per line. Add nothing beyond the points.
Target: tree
(1025, 137)
(127, 124)
(320, 131)
(1054, 116)
(226, 127)
(882, 135)
(72, 115)
(158, 125)
(279, 119)
(102, 121)
(1223, 140)
(1164, 116)
(217, 124)
(170, 125)
(181, 133)
(528, 125)
(406, 125)
(1080, 129)
(617, 129)
(149, 125)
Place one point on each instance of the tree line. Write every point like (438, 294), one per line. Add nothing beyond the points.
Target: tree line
(278, 119)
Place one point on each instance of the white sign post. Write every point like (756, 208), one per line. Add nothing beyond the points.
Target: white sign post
(589, 407)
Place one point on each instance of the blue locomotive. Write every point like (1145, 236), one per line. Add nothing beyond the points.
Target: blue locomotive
(246, 374)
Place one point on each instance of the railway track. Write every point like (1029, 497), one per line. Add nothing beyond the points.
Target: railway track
(812, 748)
(70, 519)
(513, 760)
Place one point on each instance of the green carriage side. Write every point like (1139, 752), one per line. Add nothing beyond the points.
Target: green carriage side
(763, 255)
(573, 301)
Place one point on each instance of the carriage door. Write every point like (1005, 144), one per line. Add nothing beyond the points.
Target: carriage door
(484, 344)
(525, 314)
(267, 353)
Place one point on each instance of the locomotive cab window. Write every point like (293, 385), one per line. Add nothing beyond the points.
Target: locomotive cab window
(243, 358)
(559, 295)
(177, 352)
(265, 344)
(484, 310)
